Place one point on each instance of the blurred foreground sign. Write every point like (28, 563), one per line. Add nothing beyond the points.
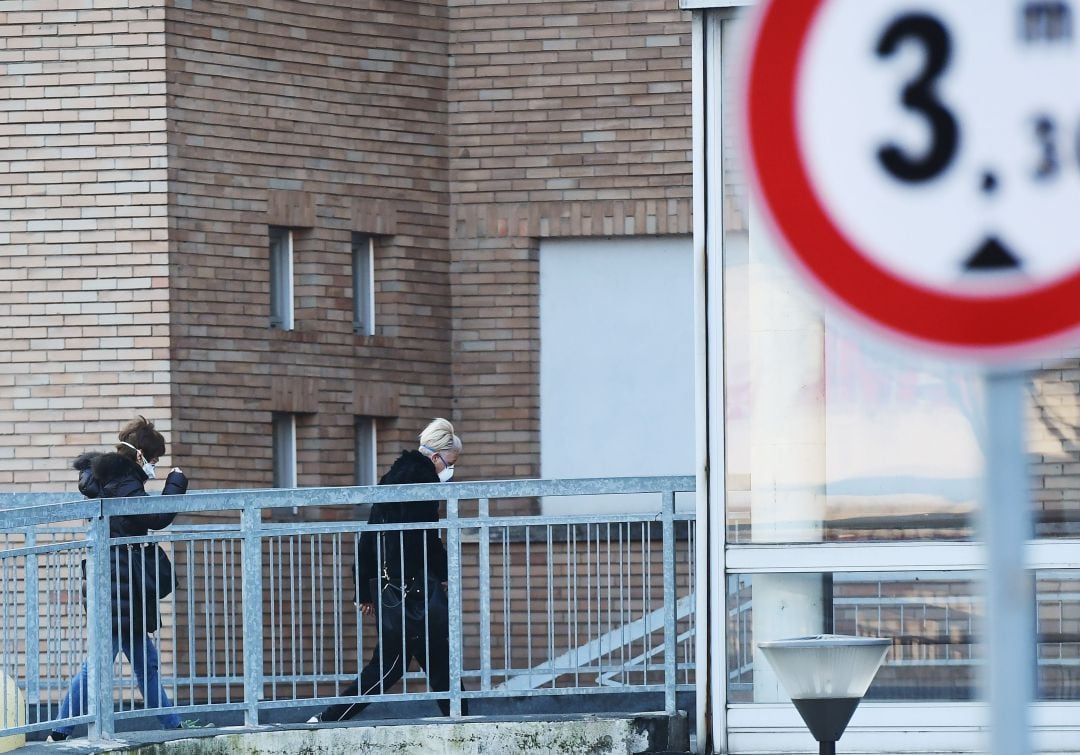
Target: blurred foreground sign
(921, 163)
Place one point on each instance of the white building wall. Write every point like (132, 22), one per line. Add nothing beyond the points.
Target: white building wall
(616, 362)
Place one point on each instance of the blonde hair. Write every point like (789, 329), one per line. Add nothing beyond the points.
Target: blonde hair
(439, 436)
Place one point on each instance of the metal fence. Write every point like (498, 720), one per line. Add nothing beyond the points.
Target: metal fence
(263, 614)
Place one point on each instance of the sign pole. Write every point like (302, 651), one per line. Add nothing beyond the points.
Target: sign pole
(1008, 669)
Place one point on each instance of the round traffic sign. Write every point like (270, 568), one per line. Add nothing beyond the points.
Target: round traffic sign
(921, 162)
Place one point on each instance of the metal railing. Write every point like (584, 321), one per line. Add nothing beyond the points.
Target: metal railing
(262, 614)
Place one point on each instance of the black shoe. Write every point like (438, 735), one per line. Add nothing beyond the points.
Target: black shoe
(56, 736)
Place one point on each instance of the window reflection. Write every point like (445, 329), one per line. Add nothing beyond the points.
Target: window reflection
(1058, 597)
(829, 439)
(931, 619)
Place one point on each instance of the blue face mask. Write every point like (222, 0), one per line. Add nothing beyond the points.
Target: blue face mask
(446, 475)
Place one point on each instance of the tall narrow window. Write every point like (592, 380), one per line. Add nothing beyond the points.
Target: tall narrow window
(365, 451)
(284, 450)
(363, 257)
(281, 278)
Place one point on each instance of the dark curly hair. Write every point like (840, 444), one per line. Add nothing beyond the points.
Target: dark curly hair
(140, 433)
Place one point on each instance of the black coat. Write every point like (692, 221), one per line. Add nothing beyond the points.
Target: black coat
(406, 548)
(111, 475)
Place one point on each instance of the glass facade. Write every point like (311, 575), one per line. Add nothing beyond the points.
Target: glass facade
(931, 618)
(831, 439)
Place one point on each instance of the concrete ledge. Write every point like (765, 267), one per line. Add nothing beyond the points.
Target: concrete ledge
(555, 735)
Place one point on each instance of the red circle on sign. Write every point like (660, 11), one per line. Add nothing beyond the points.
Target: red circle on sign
(994, 326)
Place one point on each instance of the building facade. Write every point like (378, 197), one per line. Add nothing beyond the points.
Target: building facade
(291, 233)
(844, 476)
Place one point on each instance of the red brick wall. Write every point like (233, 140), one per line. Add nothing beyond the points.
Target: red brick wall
(566, 119)
(331, 118)
(460, 132)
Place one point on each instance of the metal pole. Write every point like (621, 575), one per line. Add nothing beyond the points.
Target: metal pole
(251, 598)
(1008, 671)
(453, 536)
(701, 390)
(485, 595)
(668, 515)
(33, 624)
(100, 646)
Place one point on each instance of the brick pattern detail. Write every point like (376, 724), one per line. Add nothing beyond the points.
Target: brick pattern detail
(457, 132)
(1054, 425)
(84, 297)
(566, 119)
(329, 118)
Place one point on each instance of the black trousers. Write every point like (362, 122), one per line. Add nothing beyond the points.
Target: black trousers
(402, 638)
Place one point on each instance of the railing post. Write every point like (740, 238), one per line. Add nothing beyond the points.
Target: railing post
(453, 547)
(670, 676)
(33, 624)
(485, 596)
(252, 599)
(99, 657)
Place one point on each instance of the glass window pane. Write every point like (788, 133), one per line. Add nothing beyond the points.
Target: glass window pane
(930, 617)
(1054, 442)
(284, 450)
(1058, 596)
(365, 451)
(363, 284)
(829, 436)
(281, 284)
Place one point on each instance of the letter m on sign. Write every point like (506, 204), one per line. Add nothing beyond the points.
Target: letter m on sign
(1047, 21)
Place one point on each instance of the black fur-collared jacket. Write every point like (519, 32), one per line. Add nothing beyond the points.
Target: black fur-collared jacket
(400, 556)
(111, 475)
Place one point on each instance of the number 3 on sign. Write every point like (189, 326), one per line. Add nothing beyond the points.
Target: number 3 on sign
(928, 152)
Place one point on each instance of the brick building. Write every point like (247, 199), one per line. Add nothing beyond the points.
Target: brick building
(274, 223)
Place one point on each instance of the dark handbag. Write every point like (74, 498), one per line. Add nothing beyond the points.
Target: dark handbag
(406, 609)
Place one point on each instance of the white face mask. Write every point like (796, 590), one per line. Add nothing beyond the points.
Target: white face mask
(147, 467)
(446, 475)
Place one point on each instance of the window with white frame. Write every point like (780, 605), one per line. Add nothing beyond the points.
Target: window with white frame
(281, 278)
(363, 265)
(284, 433)
(366, 471)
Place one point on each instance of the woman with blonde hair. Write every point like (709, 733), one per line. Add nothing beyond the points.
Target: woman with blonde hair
(400, 577)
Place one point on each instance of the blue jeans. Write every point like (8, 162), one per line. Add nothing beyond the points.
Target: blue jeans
(143, 657)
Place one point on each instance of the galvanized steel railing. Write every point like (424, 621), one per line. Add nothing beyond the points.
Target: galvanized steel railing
(263, 613)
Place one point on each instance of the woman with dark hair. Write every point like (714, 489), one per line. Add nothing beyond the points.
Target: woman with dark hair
(137, 580)
(400, 578)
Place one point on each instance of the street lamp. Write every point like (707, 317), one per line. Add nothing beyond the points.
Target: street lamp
(826, 676)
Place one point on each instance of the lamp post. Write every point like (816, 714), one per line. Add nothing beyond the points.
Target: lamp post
(826, 676)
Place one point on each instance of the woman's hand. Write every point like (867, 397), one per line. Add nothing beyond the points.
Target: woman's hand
(368, 609)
